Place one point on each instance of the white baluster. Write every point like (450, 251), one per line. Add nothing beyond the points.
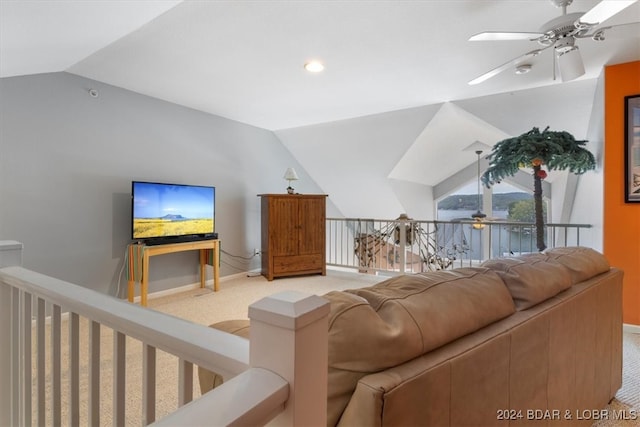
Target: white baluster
(26, 356)
(56, 371)
(119, 372)
(40, 361)
(74, 369)
(185, 382)
(94, 374)
(148, 384)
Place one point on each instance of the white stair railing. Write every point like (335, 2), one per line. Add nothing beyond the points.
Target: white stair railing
(264, 368)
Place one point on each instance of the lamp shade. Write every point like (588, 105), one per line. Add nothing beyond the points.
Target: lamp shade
(290, 174)
(570, 64)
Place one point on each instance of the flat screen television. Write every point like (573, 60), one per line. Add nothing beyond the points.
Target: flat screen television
(166, 213)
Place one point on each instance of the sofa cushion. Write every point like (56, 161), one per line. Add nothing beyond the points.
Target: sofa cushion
(372, 329)
(531, 278)
(582, 263)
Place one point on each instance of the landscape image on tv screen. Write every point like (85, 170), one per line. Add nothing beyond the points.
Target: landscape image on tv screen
(167, 210)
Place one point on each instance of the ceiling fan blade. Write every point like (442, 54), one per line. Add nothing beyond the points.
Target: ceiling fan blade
(621, 31)
(505, 66)
(501, 35)
(603, 11)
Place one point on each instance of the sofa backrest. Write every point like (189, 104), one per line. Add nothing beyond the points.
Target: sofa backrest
(533, 278)
(375, 328)
(582, 263)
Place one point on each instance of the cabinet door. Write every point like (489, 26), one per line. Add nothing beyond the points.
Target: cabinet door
(312, 226)
(283, 223)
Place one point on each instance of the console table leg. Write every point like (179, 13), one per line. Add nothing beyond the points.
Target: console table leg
(203, 263)
(130, 290)
(216, 266)
(144, 282)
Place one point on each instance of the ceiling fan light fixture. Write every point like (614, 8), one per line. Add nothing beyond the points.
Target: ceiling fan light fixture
(570, 64)
(565, 44)
(478, 225)
(478, 216)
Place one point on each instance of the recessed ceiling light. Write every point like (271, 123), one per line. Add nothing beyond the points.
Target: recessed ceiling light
(314, 66)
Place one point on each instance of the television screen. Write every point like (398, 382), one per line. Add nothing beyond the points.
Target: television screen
(168, 211)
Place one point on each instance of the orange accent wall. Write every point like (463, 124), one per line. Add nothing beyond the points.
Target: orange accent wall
(621, 237)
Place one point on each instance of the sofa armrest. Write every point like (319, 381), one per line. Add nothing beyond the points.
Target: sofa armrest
(422, 399)
(209, 380)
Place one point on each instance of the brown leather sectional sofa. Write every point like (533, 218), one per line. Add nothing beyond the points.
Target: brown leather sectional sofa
(531, 340)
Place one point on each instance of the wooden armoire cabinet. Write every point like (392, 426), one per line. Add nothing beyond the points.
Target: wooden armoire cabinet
(293, 234)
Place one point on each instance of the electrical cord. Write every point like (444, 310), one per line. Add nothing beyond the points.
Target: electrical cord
(233, 266)
(249, 258)
(125, 260)
(241, 258)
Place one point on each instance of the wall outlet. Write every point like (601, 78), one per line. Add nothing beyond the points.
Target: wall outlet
(256, 252)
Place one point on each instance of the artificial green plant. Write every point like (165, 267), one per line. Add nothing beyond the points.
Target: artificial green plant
(553, 150)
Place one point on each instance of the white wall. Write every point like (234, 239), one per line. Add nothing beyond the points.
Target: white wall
(588, 205)
(67, 161)
(352, 159)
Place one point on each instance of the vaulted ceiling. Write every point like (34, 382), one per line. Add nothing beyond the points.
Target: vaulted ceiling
(403, 66)
(244, 59)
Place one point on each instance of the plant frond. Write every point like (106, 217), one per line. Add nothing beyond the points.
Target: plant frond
(557, 150)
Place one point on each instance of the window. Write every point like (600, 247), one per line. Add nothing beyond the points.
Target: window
(462, 203)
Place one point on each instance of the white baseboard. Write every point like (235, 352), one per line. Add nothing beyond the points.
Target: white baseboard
(167, 292)
(634, 329)
(185, 288)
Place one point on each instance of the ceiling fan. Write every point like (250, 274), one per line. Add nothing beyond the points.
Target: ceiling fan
(561, 34)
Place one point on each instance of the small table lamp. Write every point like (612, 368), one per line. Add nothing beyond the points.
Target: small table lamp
(290, 175)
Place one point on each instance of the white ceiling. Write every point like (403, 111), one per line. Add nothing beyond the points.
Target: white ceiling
(244, 59)
(421, 161)
(49, 36)
(395, 83)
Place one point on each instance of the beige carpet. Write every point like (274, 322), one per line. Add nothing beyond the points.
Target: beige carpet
(203, 306)
(627, 400)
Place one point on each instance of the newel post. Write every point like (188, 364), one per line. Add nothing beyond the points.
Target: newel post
(289, 336)
(10, 255)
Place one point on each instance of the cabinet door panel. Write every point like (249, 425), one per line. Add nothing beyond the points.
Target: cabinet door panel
(283, 219)
(312, 226)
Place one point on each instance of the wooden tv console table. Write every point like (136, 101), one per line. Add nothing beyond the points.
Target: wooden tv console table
(138, 263)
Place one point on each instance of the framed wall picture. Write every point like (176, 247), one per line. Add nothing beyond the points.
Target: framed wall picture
(632, 148)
